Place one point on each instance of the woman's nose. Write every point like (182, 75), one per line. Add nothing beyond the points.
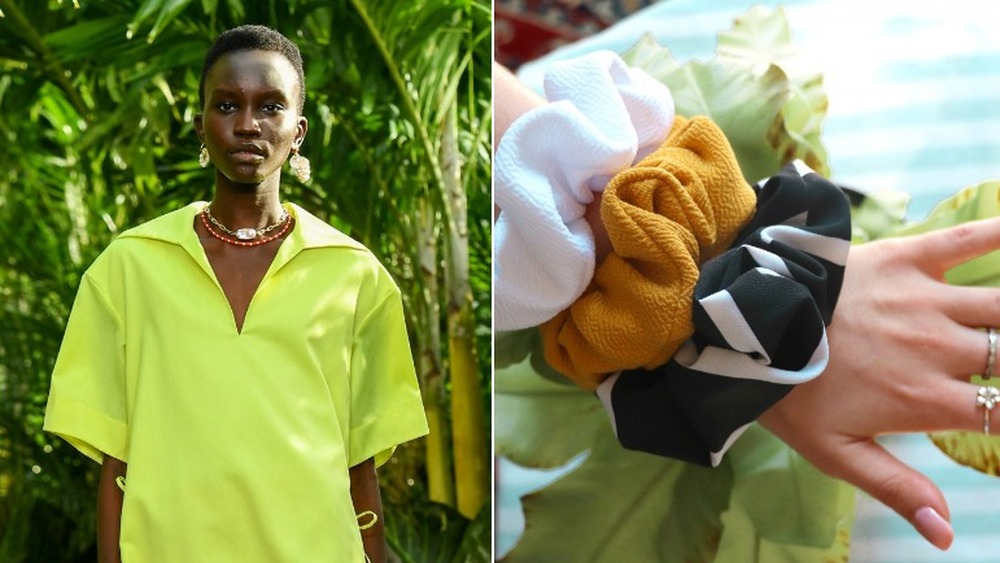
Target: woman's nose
(246, 123)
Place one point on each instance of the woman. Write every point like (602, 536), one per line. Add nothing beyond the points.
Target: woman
(239, 368)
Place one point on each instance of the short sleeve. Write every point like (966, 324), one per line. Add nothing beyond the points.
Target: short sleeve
(87, 402)
(386, 405)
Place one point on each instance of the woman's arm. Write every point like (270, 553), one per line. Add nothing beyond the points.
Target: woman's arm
(109, 510)
(511, 99)
(367, 500)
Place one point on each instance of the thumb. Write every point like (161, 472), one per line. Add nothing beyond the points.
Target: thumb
(912, 495)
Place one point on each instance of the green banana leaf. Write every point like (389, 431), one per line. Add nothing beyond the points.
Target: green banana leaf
(771, 113)
(626, 506)
(764, 501)
(541, 423)
(877, 214)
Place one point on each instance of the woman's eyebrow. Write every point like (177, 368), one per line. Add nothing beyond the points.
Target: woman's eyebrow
(269, 93)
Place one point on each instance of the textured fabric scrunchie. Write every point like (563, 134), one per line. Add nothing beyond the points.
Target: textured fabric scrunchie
(679, 206)
(760, 315)
(554, 161)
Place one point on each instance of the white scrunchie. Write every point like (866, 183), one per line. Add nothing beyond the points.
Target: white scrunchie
(603, 117)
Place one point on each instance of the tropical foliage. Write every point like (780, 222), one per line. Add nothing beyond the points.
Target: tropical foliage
(96, 105)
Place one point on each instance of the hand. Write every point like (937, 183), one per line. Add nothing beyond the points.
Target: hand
(903, 344)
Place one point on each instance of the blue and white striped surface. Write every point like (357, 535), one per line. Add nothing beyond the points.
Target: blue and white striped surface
(914, 87)
(914, 91)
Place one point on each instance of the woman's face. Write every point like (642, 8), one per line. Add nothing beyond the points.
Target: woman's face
(251, 116)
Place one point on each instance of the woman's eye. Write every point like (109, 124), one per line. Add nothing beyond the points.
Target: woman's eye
(227, 107)
(273, 108)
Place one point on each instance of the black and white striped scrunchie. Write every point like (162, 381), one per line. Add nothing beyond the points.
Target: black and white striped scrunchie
(760, 315)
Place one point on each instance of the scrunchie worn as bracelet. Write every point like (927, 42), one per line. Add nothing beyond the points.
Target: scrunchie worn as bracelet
(760, 314)
(602, 117)
(679, 206)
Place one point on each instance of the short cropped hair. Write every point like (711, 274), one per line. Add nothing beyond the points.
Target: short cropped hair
(253, 37)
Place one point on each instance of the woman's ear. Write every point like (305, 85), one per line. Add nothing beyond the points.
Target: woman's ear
(198, 127)
(301, 129)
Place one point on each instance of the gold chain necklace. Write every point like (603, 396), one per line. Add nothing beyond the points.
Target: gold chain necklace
(206, 216)
(245, 234)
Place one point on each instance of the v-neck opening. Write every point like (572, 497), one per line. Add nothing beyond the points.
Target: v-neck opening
(286, 250)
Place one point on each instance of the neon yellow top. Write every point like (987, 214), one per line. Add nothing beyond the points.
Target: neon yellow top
(238, 444)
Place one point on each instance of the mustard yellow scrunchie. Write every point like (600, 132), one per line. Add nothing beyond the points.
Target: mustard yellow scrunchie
(676, 208)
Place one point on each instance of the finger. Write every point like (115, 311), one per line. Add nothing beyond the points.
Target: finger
(972, 306)
(965, 351)
(955, 349)
(935, 405)
(948, 405)
(966, 411)
(912, 495)
(947, 248)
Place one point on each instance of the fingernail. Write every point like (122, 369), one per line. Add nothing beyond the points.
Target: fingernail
(932, 526)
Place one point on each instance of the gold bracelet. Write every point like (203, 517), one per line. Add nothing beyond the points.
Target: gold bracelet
(370, 523)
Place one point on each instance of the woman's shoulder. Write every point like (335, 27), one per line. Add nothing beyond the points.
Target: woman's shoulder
(337, 248)
(315, 233)
(172, 226)
(134, 245)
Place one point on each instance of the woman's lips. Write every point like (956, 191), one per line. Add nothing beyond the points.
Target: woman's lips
(247, 156)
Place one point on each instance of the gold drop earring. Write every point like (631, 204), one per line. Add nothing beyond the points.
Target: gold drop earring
(203, 159)
(300, 166)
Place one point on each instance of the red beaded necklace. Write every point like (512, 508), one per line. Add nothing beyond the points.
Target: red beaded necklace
(258, 242)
